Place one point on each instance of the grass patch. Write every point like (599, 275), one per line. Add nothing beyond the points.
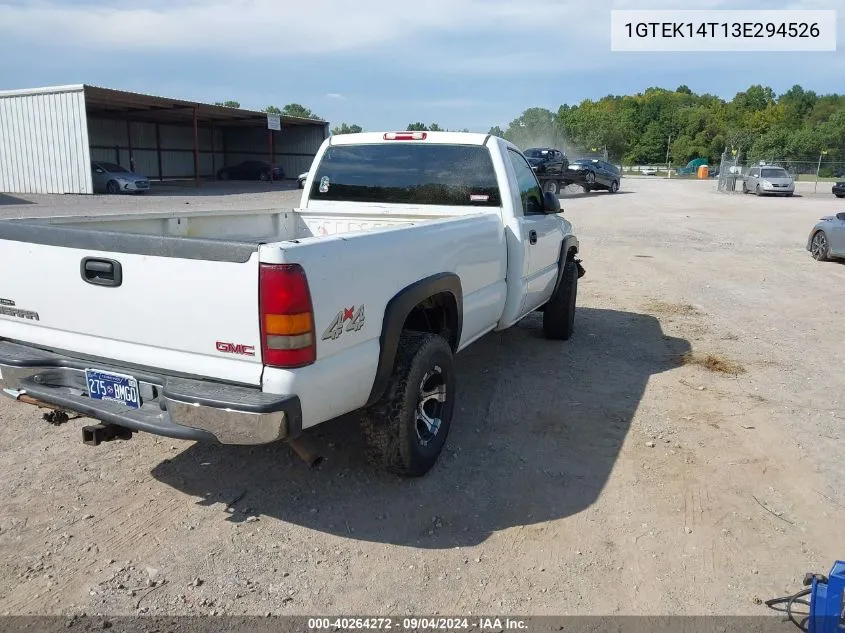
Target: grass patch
(713, 362)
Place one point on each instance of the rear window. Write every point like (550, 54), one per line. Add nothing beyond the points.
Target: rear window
(407, 173)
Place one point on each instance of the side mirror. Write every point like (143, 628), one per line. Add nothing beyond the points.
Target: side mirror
(551, 203)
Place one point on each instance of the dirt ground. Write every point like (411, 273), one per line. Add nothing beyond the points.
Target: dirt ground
(621, 472)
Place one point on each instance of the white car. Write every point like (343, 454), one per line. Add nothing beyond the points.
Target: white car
(648, 171)
(246, 328)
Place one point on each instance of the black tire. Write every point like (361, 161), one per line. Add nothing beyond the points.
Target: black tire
(112, 187)
(839, 195)
(590, 178)
(552, 187)
(614, 186)
(744, 187)
(398, 438)
(264, 176)
(224, 175)
(757, 191)
(820, 247)
(559, 315)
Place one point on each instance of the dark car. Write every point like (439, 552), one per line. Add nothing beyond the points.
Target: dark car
(593, 174)
(250, 170)
(549, 164)
(839, 189)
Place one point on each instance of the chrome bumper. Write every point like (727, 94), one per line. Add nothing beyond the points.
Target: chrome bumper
(182, 408)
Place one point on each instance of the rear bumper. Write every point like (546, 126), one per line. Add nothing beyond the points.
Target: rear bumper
(182, 408)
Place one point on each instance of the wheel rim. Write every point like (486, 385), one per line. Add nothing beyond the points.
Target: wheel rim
(590, 177)
(819, 245)
(551, 187)
(431, 402)
(112, 187)
(265, 177)
(614, 187)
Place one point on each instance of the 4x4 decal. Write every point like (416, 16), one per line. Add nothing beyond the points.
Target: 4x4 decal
(355, 320)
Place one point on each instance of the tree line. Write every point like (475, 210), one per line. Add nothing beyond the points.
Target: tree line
(678, 125)
(798, 125)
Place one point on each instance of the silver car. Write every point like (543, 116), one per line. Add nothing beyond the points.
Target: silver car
(768, 179)
(112, 178)
(827, 239)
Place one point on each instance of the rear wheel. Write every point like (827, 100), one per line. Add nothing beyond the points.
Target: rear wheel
(590, 178)
(406, 428)
(819, 247)
(224, 175)
(840, 195)
(559, 315)
(552, 187)
(614, 187)
(264, 177)
(112, 186)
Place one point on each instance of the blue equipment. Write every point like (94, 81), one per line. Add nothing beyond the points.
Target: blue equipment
(826, 603)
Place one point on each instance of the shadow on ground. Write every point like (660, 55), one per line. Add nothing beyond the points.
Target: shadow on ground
(538, 427)
(6, 199)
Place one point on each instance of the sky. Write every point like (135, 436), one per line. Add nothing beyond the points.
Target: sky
(382, 63)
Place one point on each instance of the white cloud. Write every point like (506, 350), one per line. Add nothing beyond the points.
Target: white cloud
(484, 37)
(334, 95)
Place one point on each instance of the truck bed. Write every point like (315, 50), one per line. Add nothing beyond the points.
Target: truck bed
(262, 226)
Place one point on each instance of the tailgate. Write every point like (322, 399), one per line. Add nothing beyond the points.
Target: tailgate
(192, 311)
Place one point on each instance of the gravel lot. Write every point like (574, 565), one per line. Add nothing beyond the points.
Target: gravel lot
(598, 476)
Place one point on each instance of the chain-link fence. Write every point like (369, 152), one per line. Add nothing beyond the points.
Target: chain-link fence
(731, 170)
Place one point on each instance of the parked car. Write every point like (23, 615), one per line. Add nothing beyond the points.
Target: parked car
(827, 239)
(593, 174)
(838, 189)
(649, 171)
(251, 170)
(768, 179)
(549, 164)
(246, 352)
(301, 179)
(112, 178)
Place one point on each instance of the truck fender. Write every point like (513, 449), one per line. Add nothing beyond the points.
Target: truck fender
(568, 250)
(396, 313)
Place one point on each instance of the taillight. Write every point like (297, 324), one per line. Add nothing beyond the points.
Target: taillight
(405, 136)
(287, 316)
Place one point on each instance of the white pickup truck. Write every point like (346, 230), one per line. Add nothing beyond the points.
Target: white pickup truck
(246, 328)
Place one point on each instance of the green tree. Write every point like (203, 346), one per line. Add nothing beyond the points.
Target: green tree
(299, 110)
(271, 109)
(417, 127)
(228, 104)
(496, 131)
(344, 128)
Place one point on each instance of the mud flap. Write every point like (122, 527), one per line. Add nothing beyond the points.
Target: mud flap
(581, 271)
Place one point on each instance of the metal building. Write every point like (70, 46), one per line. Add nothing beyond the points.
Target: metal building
(49, 136)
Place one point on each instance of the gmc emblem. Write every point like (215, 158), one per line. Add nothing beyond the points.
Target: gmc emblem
(232, 348)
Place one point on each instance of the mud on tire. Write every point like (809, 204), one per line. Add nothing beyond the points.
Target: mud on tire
(405, 430)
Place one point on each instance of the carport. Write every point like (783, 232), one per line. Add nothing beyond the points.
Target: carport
(173, 139)
(51, 135)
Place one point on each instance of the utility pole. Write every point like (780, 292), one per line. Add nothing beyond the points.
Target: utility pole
(818, 169)
(668, 145)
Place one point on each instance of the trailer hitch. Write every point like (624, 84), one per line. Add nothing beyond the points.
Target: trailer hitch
(96, 434)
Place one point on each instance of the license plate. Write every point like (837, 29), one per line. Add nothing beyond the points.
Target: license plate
(104, 385)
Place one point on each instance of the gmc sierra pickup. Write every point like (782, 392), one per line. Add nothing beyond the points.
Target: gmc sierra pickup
(246, 328)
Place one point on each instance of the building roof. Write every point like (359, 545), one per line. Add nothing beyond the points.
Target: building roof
(144, 107)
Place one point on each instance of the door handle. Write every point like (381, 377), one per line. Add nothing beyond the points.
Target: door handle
(101, 272)
(532, 237)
